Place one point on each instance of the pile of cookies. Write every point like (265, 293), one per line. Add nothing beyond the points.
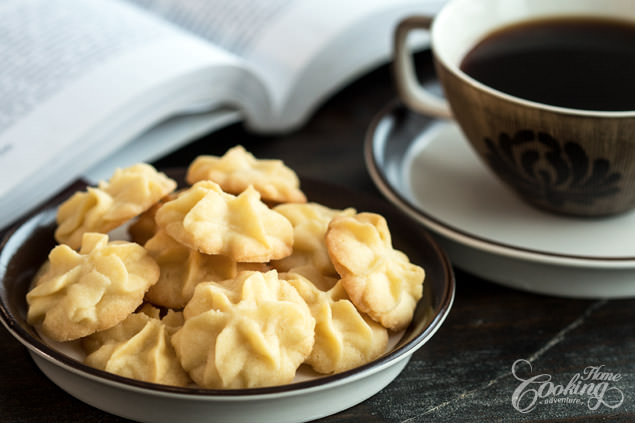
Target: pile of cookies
(233, 282)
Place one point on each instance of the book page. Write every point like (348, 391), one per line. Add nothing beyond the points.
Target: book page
(334, 42)
(232, 25)
(161, 140)
(81, 78)
(331, 41)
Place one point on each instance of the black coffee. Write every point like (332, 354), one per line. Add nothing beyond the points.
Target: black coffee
(581, 63)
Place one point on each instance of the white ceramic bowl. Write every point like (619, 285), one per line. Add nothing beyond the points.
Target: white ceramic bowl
(27, 245)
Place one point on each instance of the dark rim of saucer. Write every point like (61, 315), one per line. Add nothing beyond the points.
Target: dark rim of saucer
(36, 345)
(396, 110)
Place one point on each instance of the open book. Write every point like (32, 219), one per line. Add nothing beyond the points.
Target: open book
(89, 85)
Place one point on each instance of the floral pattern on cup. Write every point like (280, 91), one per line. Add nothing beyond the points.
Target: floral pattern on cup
(549, 171)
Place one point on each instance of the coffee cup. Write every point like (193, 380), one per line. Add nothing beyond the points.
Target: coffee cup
(570, 152)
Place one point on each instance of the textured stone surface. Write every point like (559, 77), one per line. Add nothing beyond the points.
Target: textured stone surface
(463, 374)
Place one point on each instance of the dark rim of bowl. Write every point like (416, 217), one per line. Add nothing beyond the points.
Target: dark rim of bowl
(41, 348)
(386, 187)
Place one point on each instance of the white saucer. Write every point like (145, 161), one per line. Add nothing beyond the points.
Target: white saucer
(428, 169)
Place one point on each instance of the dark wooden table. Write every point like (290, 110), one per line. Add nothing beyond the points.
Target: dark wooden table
(464, 373)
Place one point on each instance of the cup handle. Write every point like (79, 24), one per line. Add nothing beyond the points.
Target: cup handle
(411, 92)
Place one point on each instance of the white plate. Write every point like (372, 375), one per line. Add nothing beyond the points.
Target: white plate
(428, 169)
(25, 249)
